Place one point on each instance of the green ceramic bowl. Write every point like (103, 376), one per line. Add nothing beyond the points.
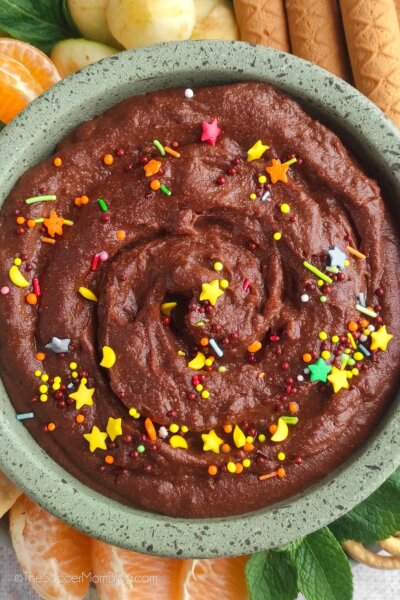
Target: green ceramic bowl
(32, 137)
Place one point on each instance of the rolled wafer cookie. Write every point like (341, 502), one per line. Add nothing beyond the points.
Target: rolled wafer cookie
(316, 34)
(397, 3)
(263, 22)
(8, 494)
(373, 39)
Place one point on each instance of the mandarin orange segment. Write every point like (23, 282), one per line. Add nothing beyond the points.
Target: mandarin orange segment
(38, 64)
(17, 88)
(214, 579)
(50, 552)
(121, 574)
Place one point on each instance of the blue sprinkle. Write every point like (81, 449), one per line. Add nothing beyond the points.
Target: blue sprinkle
(23, 416)
(361, 299)
(364, 350)
(265, 196)
(70, 386)
(215, 347)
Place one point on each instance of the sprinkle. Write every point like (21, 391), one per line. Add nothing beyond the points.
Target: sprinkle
(268, 475)
(109, 459)
(261, 438)
(355, 252)
(256, 151)
(102, 204)
(211, 291)
(285, 208)
(246, 463)
(254, 347)
(95, 262)
(23, 416)
(88, 294)
(281, 472)
(16, 277)
(58, 346)
(31, 299)
(218, 266)
(121, 235)
(189, 93)
(231, 467)
(224, 284)
(159, 147)
(103, 256)
(177, 441)
(277, 236)
(366, 311)
(152, 167)
(163, 432)
(290, 420)
(40, 356)
(108, 159)
(150, 429)
(167, 308)
(364, 350)
(239, 437)
(212, 470)
(307, 357)
(317, 272)
(305, 298)
(155, 185)
(262, 179)
(228, 428)
(323, 335)
(361, 299)
(246, 284)
(326, 354)
(57, 162)
(205, 394)
(337, 257)
(165, 190)
(36, 287)
(265, 196)
(210, 132)
(34, 199)
(51, 426)
(216, 348)
(141, 448)
(133, 412)
(109, 357)
(331, 269)
(253, 196)
(281, 456)
(352, 341)
(5, 290)
(197, 362)
(222, 369)
(172, 152)
(47, 240)
(281, 432)
(358, 356)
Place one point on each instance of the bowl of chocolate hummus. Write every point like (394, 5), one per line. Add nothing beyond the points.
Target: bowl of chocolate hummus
(200, 299)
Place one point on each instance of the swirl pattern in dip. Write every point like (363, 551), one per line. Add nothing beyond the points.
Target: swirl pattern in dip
(199, 301)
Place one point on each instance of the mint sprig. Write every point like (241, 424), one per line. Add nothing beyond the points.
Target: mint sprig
(316, 565)
(38, 22)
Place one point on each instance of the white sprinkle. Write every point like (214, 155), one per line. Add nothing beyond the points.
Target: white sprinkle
(103, 256)
(371, 327)
(366, 311)
(163, 432)
(306, 371)
(363, 337)
(300, 378)
(189, 93)
(23, 416)
(305, 298)
(215, 347)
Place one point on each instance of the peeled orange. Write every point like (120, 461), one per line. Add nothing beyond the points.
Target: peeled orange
(8, 494)
(214, 579)
(121, 574)
(24, 73)
(55, 557)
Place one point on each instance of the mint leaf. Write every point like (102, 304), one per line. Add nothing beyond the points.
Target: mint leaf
(377, 518)
(323, 570)
(270, 576)
(38, 22)
(288, 547)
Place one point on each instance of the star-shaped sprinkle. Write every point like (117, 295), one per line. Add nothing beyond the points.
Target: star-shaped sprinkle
(114, 428)
(152, 167)
(211, 131)
(380, 339)
(58, 346)
(278, 171)
(54, 224)
(211, 441)
(83, 395)
(211, 291)
(96, 439)
(319, 370)
(338, 379)
(256, 151)
(337, 257)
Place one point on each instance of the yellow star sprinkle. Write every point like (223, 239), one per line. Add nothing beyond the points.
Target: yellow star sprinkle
(96, 439)
(277, 171)
(83, 395)
(114, 428)
(256, 151)
(380, 339)
(338, 379)
(211, 291)
(211, 441)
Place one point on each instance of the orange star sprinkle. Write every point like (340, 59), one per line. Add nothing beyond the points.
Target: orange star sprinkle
(54, 224)
(277, 171)
(152, 167)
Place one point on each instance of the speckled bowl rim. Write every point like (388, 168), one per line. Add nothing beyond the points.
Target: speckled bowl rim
(32, 136)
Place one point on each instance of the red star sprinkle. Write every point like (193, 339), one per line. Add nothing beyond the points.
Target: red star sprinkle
(211, 131)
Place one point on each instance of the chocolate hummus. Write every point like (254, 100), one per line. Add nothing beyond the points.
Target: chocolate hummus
(199, 301)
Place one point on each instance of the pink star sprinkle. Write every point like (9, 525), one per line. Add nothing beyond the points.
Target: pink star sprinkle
(211, 131)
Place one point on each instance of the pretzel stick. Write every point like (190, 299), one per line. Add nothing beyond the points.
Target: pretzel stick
(365, 556)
